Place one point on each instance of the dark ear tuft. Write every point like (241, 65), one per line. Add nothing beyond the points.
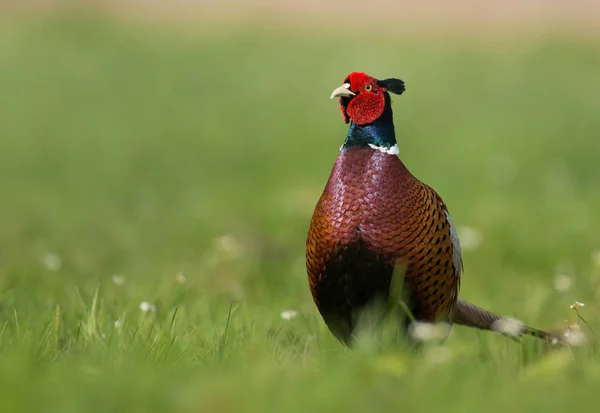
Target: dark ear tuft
(393, 85)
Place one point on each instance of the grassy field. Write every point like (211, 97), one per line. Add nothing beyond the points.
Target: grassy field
(179, 170)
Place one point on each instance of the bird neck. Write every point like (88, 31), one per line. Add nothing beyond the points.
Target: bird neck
(378, 135)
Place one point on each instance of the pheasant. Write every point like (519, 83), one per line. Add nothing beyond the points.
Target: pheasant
(375, 219)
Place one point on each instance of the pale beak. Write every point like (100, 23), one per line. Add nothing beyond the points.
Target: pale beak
(342, 91)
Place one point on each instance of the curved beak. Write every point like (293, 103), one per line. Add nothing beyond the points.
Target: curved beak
(342, 91)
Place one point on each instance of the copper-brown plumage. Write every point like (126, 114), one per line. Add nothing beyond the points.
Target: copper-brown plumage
(373, 202)
(375, 219)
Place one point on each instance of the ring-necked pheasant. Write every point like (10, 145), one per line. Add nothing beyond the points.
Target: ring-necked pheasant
(375, 218)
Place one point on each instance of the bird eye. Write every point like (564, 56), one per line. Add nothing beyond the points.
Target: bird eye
(369, 87)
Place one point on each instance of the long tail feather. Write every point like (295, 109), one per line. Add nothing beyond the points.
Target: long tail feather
(470, 315)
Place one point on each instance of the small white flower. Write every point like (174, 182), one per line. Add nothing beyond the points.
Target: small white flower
(289, 314)
(470, 238)
(52, 261)
(180, 278)
(562, 283)
(146, 306)
(429, 331)
(509, 326)
(118, 280)
(576, 305)
(117, 323)
(574, 337)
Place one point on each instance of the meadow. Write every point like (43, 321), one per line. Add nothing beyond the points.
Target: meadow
(156, 187)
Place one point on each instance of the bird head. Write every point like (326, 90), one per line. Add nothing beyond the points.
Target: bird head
(363, 98)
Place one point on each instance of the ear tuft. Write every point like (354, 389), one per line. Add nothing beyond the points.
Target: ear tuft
(393, 85)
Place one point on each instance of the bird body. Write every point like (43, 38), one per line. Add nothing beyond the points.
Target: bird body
(375, 219)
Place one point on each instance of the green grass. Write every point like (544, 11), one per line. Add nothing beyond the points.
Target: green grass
(145, 153)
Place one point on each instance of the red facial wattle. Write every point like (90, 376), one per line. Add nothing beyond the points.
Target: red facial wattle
(368, 103)
(366, 107)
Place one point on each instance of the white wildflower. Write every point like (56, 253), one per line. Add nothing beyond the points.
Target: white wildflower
(118, 280)
(180, 278)
(429, 331)
(470, 238)
(289, 314)
(562, 283)
(52, 261)
(508, 326)
(574, 337)
(576, 305)
(117, 323)
(146, 306)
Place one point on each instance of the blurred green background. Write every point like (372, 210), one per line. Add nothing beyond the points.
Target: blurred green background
(157, 180)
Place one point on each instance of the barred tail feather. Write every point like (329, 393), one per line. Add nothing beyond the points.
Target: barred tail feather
(470, 315)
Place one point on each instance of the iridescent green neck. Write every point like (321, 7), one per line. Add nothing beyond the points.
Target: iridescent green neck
(379, 135)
